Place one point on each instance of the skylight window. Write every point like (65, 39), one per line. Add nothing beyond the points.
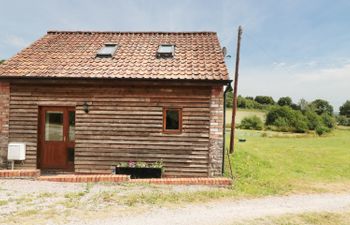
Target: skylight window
(107, 50)
(166, 51)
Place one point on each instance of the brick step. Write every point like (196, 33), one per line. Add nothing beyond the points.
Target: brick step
(86, 178)
(125, 178)
(19, 173)
(219, 181)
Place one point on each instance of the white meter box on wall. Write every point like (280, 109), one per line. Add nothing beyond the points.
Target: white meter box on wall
(16, 151)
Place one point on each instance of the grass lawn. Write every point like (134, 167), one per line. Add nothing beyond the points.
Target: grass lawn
(270, 163)
(242, 113)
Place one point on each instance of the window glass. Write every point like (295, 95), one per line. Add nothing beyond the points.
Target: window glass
(71, 126)
(54, 126)
(172, 119)
(107, 50)
(70, 154)
(166, 51)
(165, 48)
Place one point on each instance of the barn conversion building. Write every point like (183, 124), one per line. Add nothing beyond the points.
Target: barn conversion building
(83, 101)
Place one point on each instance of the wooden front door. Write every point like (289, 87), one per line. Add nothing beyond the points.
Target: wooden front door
(56, 138)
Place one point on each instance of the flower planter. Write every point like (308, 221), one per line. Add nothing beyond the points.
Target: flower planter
(139, 172)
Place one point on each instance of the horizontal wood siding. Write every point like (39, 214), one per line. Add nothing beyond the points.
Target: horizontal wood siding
(123, 124)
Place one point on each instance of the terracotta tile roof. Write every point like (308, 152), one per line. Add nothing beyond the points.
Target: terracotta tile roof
(70, 54)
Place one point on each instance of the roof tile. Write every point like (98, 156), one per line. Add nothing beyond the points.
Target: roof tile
(67, 54)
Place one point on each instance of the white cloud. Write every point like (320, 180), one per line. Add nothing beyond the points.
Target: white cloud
(16, 41)
(338, 74)
(279, 64)
(332, 83)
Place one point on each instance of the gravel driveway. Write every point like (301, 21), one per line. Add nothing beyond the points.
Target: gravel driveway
(39, 202)
(25, 201)
(227, 212)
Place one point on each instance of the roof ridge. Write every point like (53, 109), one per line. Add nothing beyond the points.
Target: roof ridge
(129, 32)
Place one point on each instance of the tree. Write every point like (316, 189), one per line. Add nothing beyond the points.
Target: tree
(1, 61)
(229, 97)
(265, 100)
(321, 106)
(295, 106)
(303, 104)
(284, 101)
(247, 103)
(344, 110)
(241, 102)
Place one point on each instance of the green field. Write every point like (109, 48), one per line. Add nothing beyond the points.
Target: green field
(242, 113)
(271, 163)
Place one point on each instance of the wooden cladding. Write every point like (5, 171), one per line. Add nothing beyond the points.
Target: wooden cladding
(124, 123)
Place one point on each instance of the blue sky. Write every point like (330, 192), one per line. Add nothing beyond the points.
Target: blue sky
(289, 47)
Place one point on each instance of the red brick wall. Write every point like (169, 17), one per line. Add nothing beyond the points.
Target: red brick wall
(216, 141)
(4, 121)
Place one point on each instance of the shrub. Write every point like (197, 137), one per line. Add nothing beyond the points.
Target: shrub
(252, 123)
(343, 120)
(247, 103)
(320, 130)
(313, 119)
(285, 101)
(278, 112)
(282, 124)
(344, 110)
(265, 100)
(299, 122)
(328, 120)
(286, 119)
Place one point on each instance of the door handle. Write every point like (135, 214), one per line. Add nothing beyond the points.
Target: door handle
(64, 138)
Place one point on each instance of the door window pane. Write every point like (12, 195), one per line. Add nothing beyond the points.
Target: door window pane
(71, 126)
(70, 154)
(54, 126)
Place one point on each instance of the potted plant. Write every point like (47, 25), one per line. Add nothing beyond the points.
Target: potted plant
(140, 169)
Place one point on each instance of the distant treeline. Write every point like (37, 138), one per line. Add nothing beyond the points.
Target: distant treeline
(285, 115)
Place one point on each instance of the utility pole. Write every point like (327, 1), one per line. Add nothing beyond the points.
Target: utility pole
(234, 99)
